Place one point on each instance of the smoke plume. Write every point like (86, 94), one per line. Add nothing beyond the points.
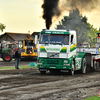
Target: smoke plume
(50, 9)
(82, 5)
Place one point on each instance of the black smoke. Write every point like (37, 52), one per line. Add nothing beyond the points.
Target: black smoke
(50, 9)
(85, 5)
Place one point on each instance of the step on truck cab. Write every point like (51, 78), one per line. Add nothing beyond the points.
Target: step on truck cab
(57, 52)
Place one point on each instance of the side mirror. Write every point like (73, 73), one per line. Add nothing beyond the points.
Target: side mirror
(36, 39)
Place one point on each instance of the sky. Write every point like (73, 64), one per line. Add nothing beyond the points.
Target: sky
(23, 16)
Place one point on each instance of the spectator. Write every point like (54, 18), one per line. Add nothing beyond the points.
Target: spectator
(17, 58)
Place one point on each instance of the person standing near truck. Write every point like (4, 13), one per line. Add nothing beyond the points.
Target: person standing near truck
(17, 58)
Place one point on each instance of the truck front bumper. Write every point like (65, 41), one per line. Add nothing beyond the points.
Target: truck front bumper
(47, 63)
(49, 66)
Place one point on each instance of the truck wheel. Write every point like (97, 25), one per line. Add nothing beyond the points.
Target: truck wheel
(72, 69)
(43, 72)
(7, 57)
(94, 66)
(97, 65)
(83, 66)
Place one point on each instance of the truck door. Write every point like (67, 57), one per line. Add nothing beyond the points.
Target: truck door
(72, 45)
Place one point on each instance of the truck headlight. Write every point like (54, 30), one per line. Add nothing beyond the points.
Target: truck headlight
(65, 61)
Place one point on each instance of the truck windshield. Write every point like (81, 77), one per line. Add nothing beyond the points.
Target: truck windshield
(54, 39)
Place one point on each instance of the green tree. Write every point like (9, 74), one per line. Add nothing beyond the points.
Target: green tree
(75, 21)
(2, 27)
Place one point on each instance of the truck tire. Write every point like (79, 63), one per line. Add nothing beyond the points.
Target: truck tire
(84, 66)
(71, 71)
(7, 57)
(94, 66)
(97, 65)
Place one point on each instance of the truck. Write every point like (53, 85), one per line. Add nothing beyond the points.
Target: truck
(27, 48)
(85, 44)
(5, 53)
(95, 51)
(57, 52)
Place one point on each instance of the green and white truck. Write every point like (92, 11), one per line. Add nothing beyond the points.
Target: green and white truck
(57, 53)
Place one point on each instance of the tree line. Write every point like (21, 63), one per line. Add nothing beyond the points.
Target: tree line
(75, 21)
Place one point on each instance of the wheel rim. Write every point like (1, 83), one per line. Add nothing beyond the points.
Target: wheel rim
(7, 57)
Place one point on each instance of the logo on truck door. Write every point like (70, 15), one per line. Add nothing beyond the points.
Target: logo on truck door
(78, 63)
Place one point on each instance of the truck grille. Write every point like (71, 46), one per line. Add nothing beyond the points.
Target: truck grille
(51, 61)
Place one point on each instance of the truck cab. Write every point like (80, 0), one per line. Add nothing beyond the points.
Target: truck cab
(57, 52)
(59, 41)
(85, 45)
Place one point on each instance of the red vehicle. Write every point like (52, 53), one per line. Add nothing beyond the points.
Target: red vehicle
(85, 45)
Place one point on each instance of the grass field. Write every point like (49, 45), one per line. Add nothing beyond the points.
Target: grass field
(93, 98)
(8, 68)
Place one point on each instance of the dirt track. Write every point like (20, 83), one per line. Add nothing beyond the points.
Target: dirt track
(28, 84)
